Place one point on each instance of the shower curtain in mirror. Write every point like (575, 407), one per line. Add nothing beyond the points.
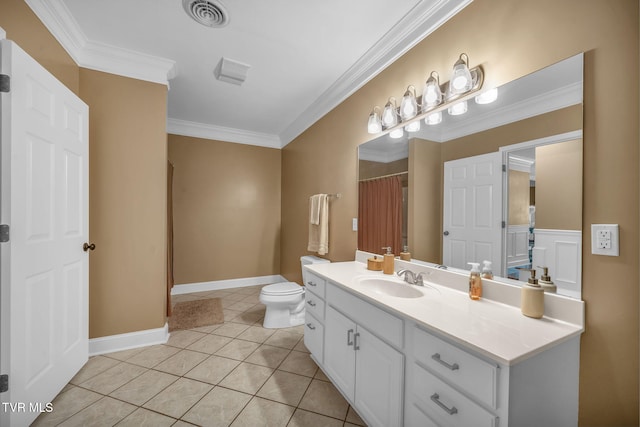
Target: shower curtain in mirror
(380, 214)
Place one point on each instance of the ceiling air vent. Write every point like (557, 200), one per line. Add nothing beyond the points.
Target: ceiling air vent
(206, 12)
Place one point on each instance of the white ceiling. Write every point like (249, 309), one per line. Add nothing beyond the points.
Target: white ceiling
(305, 57)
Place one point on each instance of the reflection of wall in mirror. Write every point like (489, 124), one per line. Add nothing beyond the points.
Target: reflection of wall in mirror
(519, 191)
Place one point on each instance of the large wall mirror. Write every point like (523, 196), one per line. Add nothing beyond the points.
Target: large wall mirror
(502, 182)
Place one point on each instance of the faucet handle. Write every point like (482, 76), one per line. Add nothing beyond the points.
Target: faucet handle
(419, 280)
(407, 274)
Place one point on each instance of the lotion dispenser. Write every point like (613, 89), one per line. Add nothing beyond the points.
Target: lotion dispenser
(487, 273)
(388, 261)
(532, 297)
(405, 255)
(475, 282)
(545, 281)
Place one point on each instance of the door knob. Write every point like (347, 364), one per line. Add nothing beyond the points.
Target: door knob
(446, 233)
(88, 247)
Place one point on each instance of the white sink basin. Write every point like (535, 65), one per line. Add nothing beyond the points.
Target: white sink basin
(391, 288)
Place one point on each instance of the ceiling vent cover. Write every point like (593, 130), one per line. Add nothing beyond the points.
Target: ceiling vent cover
(210, 13)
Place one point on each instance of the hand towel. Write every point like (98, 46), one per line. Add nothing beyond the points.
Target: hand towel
(314, 209)
(319, 233)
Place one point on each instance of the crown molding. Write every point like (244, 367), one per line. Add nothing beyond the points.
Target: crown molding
(417, 24)
(99, 56)
(386, 155)
(220, 133)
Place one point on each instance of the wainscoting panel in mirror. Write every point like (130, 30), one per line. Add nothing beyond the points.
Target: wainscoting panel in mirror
(531, 116)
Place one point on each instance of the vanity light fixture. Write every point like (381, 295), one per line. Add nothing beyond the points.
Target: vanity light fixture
(375, 123)
(433, 118)
(461, 81)
(432, 94)
(409, 105)
(487, 97)
(451, 96)
(458, 108)
(396, 133)
(389, 114)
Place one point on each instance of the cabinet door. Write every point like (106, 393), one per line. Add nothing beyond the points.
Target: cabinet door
(379, 380)
(339, 356)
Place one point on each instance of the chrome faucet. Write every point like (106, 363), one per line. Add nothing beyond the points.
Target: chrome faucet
(411, 277)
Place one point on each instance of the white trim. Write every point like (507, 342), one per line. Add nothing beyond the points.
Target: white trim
(416, 25)
(220, 133)
(561, 137)
(225, 284)
(55, 15)
(3, 34)
(112, 343)
(388, 155)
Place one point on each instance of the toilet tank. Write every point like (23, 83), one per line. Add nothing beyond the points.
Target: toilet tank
(307, 260)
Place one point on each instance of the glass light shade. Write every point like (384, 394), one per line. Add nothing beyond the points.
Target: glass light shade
(461, 77)
(458, 108)
(433, 119)
(431, 95)
(396, 133)
(389, 115)
(413, 126)
(409, 105)
(375, 124)
(487, 97)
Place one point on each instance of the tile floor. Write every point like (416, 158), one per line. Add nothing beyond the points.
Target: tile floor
(237, 373)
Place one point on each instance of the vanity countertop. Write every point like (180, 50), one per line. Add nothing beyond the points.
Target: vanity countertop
(498, 331)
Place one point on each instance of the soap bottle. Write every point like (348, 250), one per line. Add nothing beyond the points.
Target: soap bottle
(486, 270)
(475, 282)
(405, 255)
(388, 261)
(545, 281)
(532, 297)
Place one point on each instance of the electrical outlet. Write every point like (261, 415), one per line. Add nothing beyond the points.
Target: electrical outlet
(605, 239)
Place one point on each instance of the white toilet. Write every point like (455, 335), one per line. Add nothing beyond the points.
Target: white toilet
(285, 301)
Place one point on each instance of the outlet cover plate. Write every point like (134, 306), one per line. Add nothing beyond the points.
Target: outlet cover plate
(605, 239)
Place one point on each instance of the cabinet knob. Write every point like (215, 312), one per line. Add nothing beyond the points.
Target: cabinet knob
(446, 233)
(310, 326)
(310, 283)
(436, 398)
(349, 339)
(311, 303)
(437, 358)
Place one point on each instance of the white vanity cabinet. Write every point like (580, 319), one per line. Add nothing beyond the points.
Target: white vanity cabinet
(314, 314)
(366, 369)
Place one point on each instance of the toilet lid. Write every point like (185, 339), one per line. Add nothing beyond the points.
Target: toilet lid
(284, 288)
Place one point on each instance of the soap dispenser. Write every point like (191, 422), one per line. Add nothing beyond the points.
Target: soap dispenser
(475, 282)
(388, 261)
(487, 273)
(532, 297)
(405, 255)
(545, 281)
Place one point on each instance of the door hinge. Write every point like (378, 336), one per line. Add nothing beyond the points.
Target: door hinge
(5, 83)
(504, 224)
(4, 233)
(504, 168)
(4, 383)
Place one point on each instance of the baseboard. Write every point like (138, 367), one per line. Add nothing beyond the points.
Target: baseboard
(128, 341)
(225, 284)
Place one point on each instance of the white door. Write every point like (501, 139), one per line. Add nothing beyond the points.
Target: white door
(45, 272)
(339, 355)
(472, 217)
(379, 380)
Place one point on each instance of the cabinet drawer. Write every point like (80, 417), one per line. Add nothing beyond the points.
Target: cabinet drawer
(314, 305)
(446, 406)
(414, 416)
(386, 326)
(314, 283)
(314, 336)
(456, 366)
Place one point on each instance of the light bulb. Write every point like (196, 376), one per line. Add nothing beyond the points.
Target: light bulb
(389, 115)
(413, 126)
(457, 109)
(432, 95)
(487, 97)
(461, 77)
(396, 133)
(375, 124)
(433, 119)
(409, 105)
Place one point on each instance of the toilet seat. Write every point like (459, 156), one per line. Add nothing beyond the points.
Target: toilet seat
(282, 289)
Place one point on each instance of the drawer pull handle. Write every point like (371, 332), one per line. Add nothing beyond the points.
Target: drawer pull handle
(356, 346)
(311, 326)
(453, 367)
(436, 398)
(311, 303)
(349, 340)
(310, 283)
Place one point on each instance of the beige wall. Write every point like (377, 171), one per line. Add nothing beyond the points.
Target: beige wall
(519, 187)
(506, 36)
(24, 27)
(226, 207)
(127, 202)
(558, 188)
(370, 169)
